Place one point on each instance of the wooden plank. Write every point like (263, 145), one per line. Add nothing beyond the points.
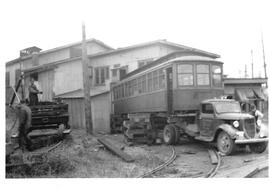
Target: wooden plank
(248, 170)
(213, 157)
(126, 157)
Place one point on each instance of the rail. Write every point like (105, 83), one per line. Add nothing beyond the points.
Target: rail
(162, 166)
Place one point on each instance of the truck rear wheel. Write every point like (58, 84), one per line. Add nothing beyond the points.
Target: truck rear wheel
(225, 143)
(169, 135)
(258, 147)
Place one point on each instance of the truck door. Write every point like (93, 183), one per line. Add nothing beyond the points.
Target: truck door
(169, 89)
(206, 121)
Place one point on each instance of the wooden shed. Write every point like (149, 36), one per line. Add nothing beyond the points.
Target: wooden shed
(101, 109)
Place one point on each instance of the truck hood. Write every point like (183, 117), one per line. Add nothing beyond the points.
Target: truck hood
(234, 116)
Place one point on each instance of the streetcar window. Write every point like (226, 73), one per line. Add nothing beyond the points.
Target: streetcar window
(155, 80)
(140, 85)
(144, 83)
(216, 76)
(150, 81)
(185, 74)
(161, 79)
(126, 89)
(203, 75)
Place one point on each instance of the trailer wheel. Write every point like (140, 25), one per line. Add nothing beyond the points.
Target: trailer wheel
(258, 147)
(169, 135)
(225, 143)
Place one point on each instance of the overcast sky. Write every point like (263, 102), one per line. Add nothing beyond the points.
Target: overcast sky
(229, 28)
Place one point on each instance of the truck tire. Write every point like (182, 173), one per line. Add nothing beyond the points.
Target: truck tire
(258, 147)
(169, 135)
(225, 143)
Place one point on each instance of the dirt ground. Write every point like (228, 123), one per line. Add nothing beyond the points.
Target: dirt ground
(82, 156)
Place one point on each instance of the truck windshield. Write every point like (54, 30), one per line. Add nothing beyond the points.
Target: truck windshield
(227, 107)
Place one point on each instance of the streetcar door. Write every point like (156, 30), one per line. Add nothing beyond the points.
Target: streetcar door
(169, 84)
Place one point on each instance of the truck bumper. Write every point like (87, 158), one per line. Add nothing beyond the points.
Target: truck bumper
(249, 141)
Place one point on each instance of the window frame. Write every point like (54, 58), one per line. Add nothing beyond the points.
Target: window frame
(185, 73)
(213, 74)
(102, 73)
(203, 73)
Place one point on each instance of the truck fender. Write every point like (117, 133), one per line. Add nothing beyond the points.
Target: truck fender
(228, 129)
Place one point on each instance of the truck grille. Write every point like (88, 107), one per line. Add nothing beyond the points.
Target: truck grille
(249, 128)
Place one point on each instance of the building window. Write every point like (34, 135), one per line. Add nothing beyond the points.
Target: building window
(185, 75)
(203, 75)
(144, 62)
(101, 74)
(7, 79)
(114, 72)
(216, 74)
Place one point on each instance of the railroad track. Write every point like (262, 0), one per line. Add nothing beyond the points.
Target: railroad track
(172, 158)
(214, 170)
(162, 166)
(37, 157)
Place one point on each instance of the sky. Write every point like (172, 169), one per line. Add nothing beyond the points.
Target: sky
(228, 28)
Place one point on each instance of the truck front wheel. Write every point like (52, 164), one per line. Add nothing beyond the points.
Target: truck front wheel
(258, 147)
(225, 143)
(169, 135)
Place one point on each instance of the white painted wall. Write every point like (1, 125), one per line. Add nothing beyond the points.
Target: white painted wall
(130, 58)
(68, 77)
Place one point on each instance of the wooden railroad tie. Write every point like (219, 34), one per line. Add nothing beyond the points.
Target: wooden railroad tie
(117, 151)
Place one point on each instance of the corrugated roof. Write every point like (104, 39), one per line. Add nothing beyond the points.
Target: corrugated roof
(79, 93)
(245, 80)
(59, 48)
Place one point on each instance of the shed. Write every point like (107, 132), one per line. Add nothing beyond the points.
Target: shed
(247, 90)
(101, 109)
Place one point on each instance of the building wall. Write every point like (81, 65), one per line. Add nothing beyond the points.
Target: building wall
(68, 77)
(12, 69)
(101, 109)
(76, 112)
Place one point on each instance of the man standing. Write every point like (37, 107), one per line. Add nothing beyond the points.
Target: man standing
(25, 115)
(33, 93)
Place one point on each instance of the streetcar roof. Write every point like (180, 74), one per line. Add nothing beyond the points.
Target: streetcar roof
(154, 65)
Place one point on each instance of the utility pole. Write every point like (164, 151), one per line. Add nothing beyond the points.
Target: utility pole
(246, 75)
(264, 63)
(86, 85)
(252, 64)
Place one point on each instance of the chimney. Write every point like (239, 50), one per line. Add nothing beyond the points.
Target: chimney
(34, 59)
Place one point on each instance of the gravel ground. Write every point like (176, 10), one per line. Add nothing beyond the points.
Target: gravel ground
(81, 156)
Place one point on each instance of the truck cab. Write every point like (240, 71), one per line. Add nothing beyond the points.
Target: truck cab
(222, 121)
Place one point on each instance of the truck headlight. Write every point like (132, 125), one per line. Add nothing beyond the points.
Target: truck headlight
(236, 124)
